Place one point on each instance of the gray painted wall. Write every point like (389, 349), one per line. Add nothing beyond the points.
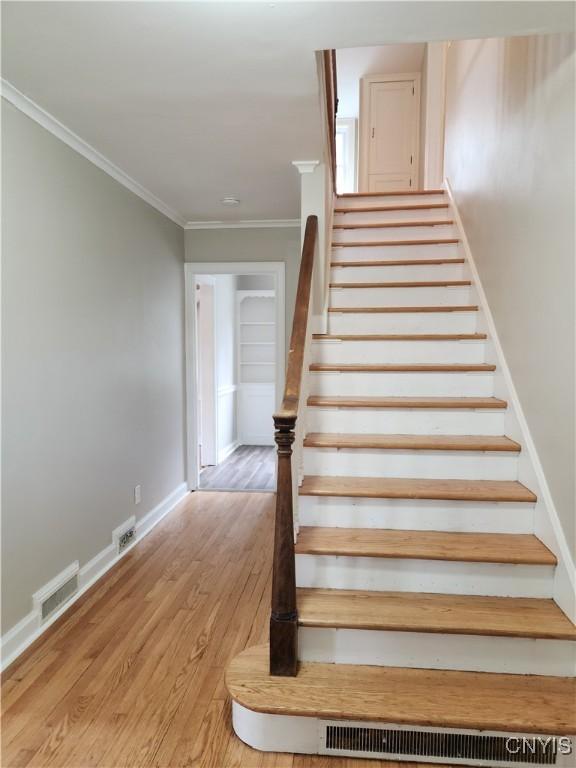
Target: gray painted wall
(510, 160)
(93, 371)
(272, 244)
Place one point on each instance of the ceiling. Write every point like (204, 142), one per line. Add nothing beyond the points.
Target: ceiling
(355, 63)
(198, 100)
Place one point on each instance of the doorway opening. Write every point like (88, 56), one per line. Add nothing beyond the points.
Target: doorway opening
(235, 373)
(390, 121)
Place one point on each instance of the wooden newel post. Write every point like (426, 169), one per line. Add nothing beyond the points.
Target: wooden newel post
(284, 617)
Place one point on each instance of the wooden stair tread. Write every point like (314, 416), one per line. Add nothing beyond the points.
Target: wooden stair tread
(418, 697)
(399, 336)
(416, 488)
(398, 310)
(510, 548)
(404, 367)
(406, 284)
(360, 401)
(399, 193)
(394, 224)
(423, 612)
(397, 207)
(412, 442)
(396, 263)
(379, 243)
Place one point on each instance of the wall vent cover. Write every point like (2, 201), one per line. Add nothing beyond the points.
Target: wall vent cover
(58, 598)
(388, 743)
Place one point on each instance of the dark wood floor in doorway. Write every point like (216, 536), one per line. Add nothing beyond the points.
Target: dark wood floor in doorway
(249, 468)
(133, 675)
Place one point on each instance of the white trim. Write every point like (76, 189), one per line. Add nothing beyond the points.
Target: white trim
(28, 629)
(191, 269)
(228, 450)
(364, 123)
(550, 528)
(347, 126)
(306, 166)
(58, 129)
(227, 390)
(243, 224)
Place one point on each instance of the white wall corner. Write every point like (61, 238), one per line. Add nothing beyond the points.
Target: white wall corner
(27, 630)
(306, 166)
(58, 129)
(547, 525)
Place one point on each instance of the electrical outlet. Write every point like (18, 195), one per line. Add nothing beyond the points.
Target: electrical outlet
(137, 494)
(126, 538)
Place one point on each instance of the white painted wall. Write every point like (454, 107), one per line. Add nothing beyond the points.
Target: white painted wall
(510, 161)
(93, 374)
(354, 63)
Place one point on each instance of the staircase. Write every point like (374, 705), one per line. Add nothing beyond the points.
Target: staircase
(426, 625)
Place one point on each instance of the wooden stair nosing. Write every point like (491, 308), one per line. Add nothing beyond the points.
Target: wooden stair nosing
(380, 243)
(496, 548)
(393, 224)
(400, 336)
(393, 207)
(416, 488)
(403, 442)
(403, 368)
(440, 403)
(434, 613)
(414, 697)
(407, 284)
(399, 310)
(396, 263)
(399, 193)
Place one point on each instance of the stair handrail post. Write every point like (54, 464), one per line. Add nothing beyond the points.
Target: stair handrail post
(284, 613)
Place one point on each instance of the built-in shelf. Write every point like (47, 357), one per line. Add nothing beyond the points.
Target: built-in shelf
(251, 322)
(259, 363)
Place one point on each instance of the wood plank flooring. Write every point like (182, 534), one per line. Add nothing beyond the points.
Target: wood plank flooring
(133, 675)
(249, 468)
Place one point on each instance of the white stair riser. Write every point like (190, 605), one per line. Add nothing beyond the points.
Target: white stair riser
(373, 234)
(394, 252)
(402, 322)
(377, 217)
(436, 576)
(337, 351)
(415, 421)
(416, 514)
(455, 465)
(471, 653)
(400, 297)
(401, 273)
(402, 384)
(362, 201)
(282, 733)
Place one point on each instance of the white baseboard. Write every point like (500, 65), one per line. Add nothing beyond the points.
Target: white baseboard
(547, 522)
(229, 449)
(28, 629)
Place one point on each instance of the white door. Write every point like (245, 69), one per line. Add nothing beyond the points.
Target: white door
(205, 375)
(391, 112)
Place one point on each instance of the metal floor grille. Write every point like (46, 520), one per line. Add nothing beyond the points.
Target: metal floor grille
(387, 741)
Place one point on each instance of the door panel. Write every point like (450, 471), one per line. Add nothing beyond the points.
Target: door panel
(392, 115)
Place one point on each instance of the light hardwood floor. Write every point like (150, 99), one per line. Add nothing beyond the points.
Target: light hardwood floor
(249, 468)
(133, 675)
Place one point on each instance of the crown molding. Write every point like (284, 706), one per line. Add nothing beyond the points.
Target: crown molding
(243, 224)
(306, 166)
(58, 129)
